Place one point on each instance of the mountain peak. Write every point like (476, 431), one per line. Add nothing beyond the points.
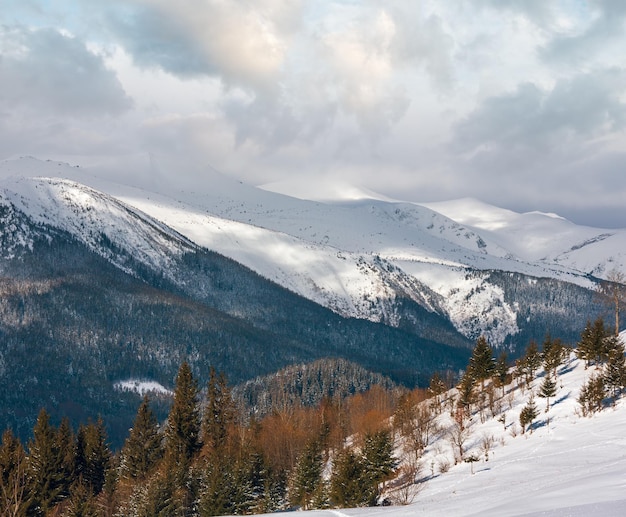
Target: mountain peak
(325, 189)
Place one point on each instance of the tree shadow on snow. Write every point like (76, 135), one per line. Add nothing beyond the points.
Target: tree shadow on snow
(567, 368)
(562, 398)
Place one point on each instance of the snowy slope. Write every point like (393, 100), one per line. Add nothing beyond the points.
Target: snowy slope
(567, 466)
(94, 218)
(355, 257)
(544, 238)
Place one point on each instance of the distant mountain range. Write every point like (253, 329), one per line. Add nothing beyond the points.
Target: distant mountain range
(104, 282)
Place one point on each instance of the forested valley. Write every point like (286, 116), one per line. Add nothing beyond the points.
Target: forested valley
(214, 456)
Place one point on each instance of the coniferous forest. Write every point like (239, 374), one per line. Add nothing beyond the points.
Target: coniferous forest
(213, 456)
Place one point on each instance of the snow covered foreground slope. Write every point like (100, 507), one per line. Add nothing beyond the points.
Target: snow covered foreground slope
(568, 466)
(357, 258)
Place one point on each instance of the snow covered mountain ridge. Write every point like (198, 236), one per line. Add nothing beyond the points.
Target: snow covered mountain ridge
(358, 258)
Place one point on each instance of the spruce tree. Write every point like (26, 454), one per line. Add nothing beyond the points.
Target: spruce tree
(501, 371)
(602, 341)
(584, 348)
(552, 354)
(159, 498)
(594, 344)
(591, 396)
(66, 444)
(45, 472)
(531, 361)
(307, 476)
(378, 456)
(182, 434)
(528, 414)
(81, 502)
(93, 455)
(13, 472)
(547, 390)
(481, 363)
(436, 388)
(466, 397)
(219, 412)
(218, 492)
(615, 371)
(142, 449)
(350, 484)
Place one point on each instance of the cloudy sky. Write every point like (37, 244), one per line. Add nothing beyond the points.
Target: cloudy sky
(520, 103)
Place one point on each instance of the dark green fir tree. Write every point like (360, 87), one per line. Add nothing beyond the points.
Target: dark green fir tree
(547, 389)
(143, 448)
(182, 434)
(307, 476)
(45, 471)
(481, 363)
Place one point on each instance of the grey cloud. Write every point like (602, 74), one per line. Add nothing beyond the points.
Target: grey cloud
(536, 121)
(424, 42)
(156, 40)
(609, 25)
(264, 121)
(537, 10)
(47, 71)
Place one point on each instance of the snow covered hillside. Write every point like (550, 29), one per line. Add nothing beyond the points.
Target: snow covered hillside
(566, 465)
(358, 257)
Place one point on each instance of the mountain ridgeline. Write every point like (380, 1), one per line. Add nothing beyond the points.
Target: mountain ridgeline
(72, 324)
(94, 292)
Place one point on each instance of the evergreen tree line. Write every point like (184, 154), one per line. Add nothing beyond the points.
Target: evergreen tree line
(599, 347)
(211, 458)
(208, 458)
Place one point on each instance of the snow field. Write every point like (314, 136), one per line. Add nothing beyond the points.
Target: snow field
(571, 466)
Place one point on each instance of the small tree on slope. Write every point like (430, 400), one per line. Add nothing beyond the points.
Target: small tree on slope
(528, 414)
(547, 390)
(615, 372)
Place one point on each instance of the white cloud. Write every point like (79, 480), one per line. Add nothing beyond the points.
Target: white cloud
(241, 41)
(502, 100)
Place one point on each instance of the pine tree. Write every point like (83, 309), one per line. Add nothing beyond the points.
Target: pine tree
(528, 414)
(466, 397)
(218, 492)
(45, 471)
(143, 448)
(531, 361)
(378, 456)
(219, 412)
(552, 354)
(615, 372)
(81, 502)
(594, 344)
(66, 443)
(501, 371)
(307, 476)
(547, 390)
(591, 396)
(436, 388)
(350, 485)
(182, 434)
(481, 363)
(13, 472)
(93, 455)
